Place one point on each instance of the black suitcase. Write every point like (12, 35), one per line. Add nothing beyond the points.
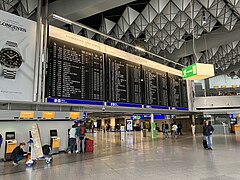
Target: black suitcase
(205, 144)
(46, 149)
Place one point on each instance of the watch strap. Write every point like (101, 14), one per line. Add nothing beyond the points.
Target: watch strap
(12, 44)
(9, 74)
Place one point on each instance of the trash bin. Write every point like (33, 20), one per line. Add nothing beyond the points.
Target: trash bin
(144, 133)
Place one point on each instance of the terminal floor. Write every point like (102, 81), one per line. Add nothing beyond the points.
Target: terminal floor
(137, 157)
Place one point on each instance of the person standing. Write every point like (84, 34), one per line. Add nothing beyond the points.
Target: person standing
(174, 129)
(18, 153)
(179, 129)
(193, 129)
(72, 139)
(207, 133)
(81, 130)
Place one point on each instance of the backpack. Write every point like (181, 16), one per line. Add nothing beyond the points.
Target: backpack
(82, 130)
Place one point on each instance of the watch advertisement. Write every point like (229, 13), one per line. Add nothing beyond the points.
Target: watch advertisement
(17, 56)
(129, 125)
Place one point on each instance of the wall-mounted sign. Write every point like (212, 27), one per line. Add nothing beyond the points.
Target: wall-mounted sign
(26, 115)
(129, 125)
(48, 115)
(17, 57)
(74, 115)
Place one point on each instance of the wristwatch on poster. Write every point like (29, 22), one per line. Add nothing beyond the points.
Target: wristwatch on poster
(10, 59)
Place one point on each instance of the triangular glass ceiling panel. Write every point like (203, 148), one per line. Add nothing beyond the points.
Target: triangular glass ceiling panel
(141, 22)
(170, 27)
(159, 5)
(207, 3)
(130, 15)
(109, 25)
(76, 29)
(160, 21)
(149, 13)
(170, 11)
(181, 4)
(123, 24)
(180, 19)
(135, 30)
(196, 8)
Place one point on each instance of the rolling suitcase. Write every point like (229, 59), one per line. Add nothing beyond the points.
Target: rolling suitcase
(89, 145)
(205, 146)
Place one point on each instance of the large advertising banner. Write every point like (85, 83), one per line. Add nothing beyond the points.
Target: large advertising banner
(17, 56)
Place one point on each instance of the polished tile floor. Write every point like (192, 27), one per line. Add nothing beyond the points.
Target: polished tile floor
(135, 157)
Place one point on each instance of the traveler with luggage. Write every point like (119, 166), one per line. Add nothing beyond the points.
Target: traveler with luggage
(207, 133)
(18, 153)
(81, 130)
(72, 139)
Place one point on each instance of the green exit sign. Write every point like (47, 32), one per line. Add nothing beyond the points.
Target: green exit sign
(189, 71)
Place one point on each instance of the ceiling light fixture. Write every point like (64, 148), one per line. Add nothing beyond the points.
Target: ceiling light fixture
(140, 48)
(62, 19)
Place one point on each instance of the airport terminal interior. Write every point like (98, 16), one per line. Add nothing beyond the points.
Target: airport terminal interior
(129, 89)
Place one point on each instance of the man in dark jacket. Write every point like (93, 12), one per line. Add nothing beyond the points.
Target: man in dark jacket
(207, 133)
(18, 153)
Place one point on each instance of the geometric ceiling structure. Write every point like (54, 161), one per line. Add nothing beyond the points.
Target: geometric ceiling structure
(163, 27)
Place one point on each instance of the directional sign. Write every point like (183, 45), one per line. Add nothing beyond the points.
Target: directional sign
(198, 71)
(189, 71)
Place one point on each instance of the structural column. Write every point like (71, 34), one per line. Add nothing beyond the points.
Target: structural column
(112, 122)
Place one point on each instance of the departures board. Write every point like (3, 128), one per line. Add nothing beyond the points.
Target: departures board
(155, 87)
(74, 72)
(123, 80)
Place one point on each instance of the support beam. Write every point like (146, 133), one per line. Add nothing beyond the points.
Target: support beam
(214, 39)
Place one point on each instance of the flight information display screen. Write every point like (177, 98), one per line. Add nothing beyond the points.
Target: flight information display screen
(123, 80)
(155, 87)
(74, 72)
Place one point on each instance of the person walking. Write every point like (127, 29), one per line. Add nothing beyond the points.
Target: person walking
(166, 128)
(193, 129)
(72, 139)
(174, 129)
(207, 133)
(18, 153)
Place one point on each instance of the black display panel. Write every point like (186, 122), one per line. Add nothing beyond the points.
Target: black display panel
(174, 91)
(74, 72)
(123, 80)
(184, 98)
(155, 87)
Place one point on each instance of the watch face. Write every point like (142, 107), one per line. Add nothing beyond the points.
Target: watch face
(10, 58)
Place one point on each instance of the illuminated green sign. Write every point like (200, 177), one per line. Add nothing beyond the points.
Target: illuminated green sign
(189, 71)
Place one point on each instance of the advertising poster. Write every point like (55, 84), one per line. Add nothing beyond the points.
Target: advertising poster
(129, 125)
(17, 57)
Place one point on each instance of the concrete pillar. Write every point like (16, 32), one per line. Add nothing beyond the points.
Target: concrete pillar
(190, 95)
(112, 122)
(103, 122)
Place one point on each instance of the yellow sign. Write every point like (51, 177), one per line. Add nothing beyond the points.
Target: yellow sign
(48, 115)
(56, 143)
(10, 147)
(74, 115)
(26, 115)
